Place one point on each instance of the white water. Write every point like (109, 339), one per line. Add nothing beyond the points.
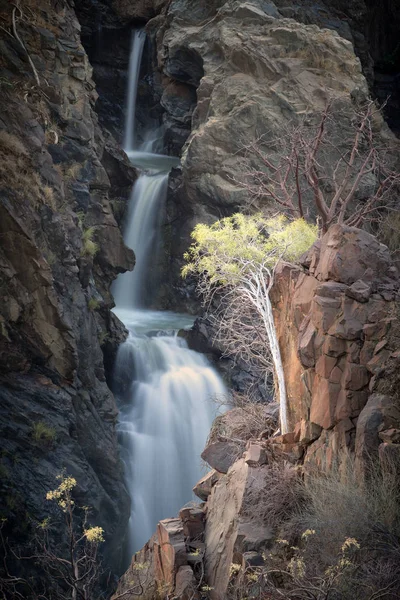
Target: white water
(138, 40)
(167, 411)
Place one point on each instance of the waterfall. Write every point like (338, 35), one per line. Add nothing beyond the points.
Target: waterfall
(166, 407)
(138, 39)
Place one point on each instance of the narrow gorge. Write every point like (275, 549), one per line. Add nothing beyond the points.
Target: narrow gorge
(131, 131)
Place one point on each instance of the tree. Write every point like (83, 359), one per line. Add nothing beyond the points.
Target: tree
(234, 261)
(334, 167)
(71, 563)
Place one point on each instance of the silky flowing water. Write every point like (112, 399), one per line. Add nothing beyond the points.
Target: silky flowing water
(166, 409)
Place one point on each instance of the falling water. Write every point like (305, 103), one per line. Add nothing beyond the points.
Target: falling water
(166, 407)
(138, 39)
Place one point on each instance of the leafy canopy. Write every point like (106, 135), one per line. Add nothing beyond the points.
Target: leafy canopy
(234, 246)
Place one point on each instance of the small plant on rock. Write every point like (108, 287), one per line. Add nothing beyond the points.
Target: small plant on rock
(89, 246)
(43, 434)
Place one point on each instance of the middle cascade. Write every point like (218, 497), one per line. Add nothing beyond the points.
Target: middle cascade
(165, 397)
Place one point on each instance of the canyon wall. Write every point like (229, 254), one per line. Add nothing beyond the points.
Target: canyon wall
(61, 247)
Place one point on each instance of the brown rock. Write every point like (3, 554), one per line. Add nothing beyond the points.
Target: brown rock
(333, 346)
(325, 365)
(350, 404)
(203, 488)
(221, 455)
(336, 375)
(349, 254)
(353, 351)
(391, 436)
(324, 312)
(323, 406)
(169, 551)
(193, 522)
(306, 346)
(186, 584)
(359, 290)
(309, 432)
(376, 331)
(255, 455)
(379, 414)
(355, 377)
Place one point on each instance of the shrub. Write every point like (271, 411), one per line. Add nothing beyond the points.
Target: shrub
(89, 246)
(48, 194)
(10, 143)
(279, 498)
(43, 433)
(339, 505)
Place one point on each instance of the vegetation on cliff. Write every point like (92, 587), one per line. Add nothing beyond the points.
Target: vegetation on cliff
(235, 259)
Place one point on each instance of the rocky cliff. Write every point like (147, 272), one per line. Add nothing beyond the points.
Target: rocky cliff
(337, 321)
(60, 250)
(232, 72)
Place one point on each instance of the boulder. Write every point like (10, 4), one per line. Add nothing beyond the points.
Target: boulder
(349, 254)
(169, 551)
(203, 488)
(193, 522)
(221, 455)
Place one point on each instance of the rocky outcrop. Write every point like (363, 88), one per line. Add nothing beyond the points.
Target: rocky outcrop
(336, 322)
(60, 250)
(232, 72)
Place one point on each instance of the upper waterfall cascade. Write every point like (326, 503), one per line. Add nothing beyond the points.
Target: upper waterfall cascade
(167, 411)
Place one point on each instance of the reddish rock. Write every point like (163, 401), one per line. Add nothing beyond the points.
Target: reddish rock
(353, 351)
(367, 352)
(333, 346)
(377, 363)
(336, 375)
(379, 413)
(350, 404)
(193, 521)
(360, 291)
(323, 406)
(325, 365)
(306, 346)
(255, 455)
(309, 432)
(169, 551)
(380, 346)
(203, 488)
(324, 311)
(376, 331)
(331, 289)
(355, 377)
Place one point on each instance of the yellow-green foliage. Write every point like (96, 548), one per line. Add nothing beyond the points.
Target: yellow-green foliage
(89, 246)
(43, 433)
(227, 248)
(63, 497)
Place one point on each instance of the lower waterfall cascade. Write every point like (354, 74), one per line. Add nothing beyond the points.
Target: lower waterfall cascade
(166, 408)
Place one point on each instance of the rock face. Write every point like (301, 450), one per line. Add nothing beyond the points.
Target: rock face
(232, 72)
(337, 330)
(60, 250)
